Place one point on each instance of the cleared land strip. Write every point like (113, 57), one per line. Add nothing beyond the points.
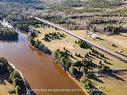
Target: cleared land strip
(123, 58)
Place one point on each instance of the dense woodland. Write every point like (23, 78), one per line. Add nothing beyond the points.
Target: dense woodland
(22, 1)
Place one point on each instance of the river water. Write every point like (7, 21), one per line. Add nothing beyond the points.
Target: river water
(44, 77)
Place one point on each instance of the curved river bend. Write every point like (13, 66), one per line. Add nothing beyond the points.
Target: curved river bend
(38, 68)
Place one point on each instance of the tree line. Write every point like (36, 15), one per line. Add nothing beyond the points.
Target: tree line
(8, 35)
(53, 36)
(39, 45)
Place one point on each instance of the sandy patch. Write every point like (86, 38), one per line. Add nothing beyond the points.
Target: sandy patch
(5, 88)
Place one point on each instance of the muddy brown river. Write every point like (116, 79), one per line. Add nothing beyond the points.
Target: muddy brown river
(44, 77)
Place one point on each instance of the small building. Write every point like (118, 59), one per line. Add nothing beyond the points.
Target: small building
(94, 36)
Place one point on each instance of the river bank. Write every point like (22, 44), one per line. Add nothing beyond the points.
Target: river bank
(74, 79)
(28, 88)
(70, 76)
(29, 60)
(13, 76)
(68, 43)
(38, 68)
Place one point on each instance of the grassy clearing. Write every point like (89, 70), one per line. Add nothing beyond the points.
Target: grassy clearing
(107, 41)
(68, 42)
(5, 88)
(112, 85)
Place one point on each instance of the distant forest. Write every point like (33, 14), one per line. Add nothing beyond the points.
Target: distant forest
(23, 1)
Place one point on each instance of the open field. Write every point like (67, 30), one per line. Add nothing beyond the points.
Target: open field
(114, 87)
(111, 85)
(106, 41)
(68, 42)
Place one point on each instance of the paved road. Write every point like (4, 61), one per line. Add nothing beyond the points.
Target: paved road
(123, 58)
